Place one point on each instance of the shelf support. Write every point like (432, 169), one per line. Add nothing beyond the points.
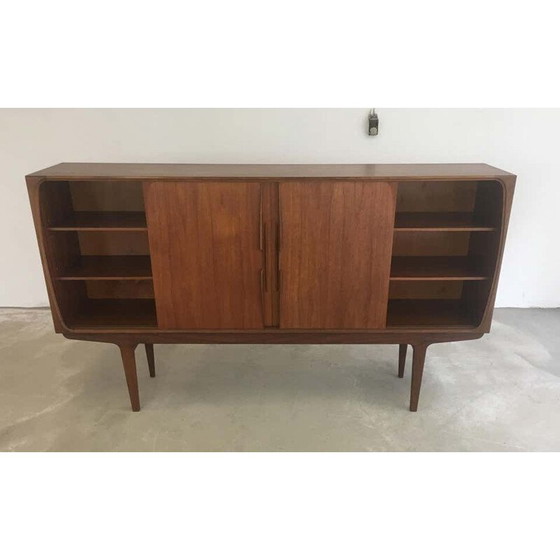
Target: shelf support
(129, 364)
(418, 358)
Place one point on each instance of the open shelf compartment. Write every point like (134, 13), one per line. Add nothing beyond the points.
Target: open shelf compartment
(95, 205)
(426, 313)
(101, 221)
(114, 313)
(445, 244)
(97, 244)
(437, 268)
(95, 267)
(433, 304)
(440, 221)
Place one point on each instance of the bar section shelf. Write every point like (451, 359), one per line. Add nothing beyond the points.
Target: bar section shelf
(115, 313)
(439, 221)
(426, 313)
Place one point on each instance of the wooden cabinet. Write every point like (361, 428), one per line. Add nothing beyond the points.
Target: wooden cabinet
(146, 254)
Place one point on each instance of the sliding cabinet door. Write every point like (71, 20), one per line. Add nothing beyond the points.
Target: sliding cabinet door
(205, 245)
(335, 253)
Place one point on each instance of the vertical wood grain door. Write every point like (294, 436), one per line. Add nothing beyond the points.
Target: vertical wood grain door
(335, 253)
(205, 246)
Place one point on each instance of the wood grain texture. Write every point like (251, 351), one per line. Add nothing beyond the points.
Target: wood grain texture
(441, 221)
(402, 358)
(102, 221)
(276, 336)
(425, 289)
(206, 255)
(120, 289)
(113, 242)
(129, 365)
(436, 196)
(437, 268)
(430, 244)
(484, 249)
(37, 203)
(335, 253)
(178, 171)
(107, 196)
(151, 359)
(418, 359)
(61, 249)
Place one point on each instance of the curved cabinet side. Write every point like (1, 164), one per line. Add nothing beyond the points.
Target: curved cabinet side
(34, 190)
(508, 187)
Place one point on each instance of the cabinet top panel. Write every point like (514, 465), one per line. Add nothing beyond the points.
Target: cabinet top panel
(247, 171)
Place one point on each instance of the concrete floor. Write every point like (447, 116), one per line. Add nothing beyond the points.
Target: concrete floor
(500, 393)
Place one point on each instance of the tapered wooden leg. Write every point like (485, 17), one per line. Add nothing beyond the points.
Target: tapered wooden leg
(151, 359)
(402, 358)
(129, 363)
(418, 358)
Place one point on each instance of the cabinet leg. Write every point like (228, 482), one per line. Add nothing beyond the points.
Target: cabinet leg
(129, 364)
(402, 358)
(418, 358)
(151, 359)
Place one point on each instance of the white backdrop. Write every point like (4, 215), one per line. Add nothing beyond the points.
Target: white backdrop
(522, 141)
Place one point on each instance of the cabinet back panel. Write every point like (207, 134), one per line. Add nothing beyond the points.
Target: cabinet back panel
(107, 196)
(113, 243)
(206, 256)
(426, 290)
(119, 289)
(335, 253)
(436, 196)
(433, 244)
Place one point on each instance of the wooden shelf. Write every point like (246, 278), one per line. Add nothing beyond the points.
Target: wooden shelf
(428, 313)
(439, 221)
(102, 221)
(115, 313)
(126, 267)
(435, 268)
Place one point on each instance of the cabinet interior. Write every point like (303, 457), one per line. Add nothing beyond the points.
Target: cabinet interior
(445, 246)
(97, 241)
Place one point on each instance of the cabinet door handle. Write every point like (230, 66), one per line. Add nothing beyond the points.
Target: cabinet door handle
(278, 272)
(265, 259)
(264, 288)
(261, 234)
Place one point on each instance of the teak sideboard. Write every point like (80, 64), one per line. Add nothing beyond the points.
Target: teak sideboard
(297, 254)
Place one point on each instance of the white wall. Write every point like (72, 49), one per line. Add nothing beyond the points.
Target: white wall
(525, 142)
